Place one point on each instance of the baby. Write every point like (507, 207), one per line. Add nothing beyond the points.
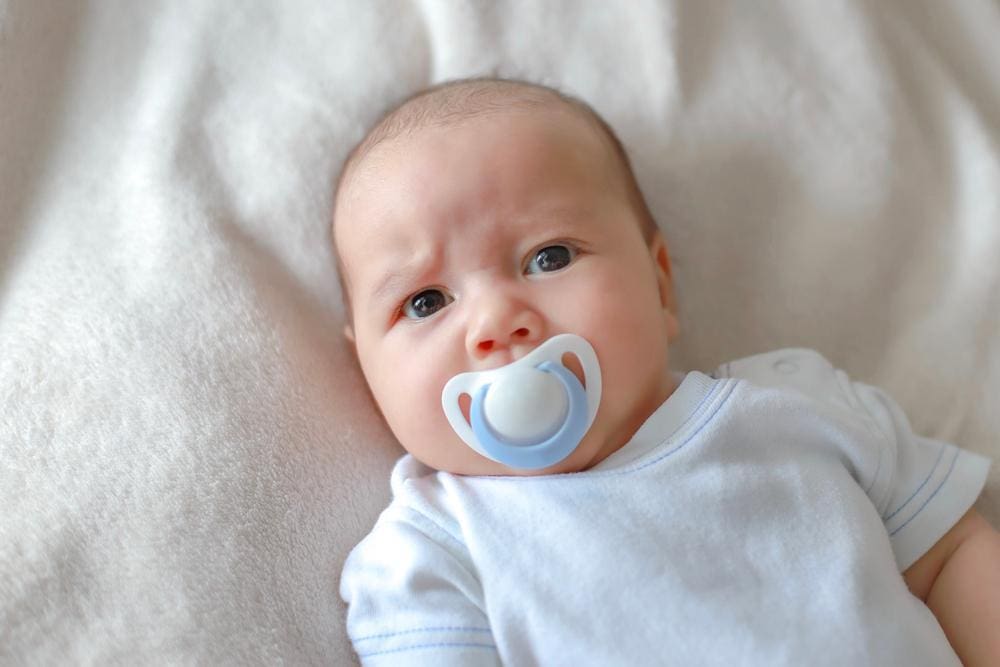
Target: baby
(568, 500)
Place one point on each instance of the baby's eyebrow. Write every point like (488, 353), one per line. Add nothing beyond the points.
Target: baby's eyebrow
(398, 279)
(388, 286)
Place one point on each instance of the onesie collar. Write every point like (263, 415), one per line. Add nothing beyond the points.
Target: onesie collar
(666, 420)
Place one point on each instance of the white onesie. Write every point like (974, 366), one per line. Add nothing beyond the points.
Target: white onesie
(762, 516)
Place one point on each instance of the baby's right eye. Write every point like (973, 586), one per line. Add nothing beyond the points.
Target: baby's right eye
(425, 303)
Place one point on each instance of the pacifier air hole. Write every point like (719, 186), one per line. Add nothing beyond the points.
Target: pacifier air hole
(465, 405)
(573, 364)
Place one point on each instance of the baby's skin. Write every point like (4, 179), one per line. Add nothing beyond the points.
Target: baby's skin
(464, 245)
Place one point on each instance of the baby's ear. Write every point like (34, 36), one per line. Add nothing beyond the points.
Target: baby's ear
(661, 264)
(665, 282)
(349, 333)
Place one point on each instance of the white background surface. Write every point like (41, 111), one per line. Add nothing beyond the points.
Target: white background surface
(187, 450)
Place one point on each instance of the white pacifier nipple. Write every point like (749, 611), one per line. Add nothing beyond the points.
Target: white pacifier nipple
(526, 406)
(531, 413)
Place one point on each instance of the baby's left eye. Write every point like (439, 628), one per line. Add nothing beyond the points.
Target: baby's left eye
(551, 258)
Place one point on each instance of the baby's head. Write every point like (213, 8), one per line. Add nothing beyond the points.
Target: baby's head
(474, 222)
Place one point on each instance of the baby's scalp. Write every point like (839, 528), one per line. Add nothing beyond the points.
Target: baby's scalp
(453, 102)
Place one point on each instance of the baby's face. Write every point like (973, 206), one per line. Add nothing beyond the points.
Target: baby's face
(466, 247)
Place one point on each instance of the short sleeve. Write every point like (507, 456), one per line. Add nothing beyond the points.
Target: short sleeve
(921, 487)
(931, 483)
(413, 598)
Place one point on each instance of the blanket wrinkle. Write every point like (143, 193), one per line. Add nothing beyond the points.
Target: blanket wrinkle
(188, 450)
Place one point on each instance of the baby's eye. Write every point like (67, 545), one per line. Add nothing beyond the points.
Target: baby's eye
(551, 258)
(426, 303)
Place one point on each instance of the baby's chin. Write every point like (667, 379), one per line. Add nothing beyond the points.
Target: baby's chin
(592, 450)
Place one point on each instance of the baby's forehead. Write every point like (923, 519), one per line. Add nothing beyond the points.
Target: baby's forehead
(524, 139)
(500, 148)
(490, 175)
(396, 138)
(453, 106)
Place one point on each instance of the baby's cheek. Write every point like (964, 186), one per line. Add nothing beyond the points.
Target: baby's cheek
(610, 304)
(628, 328)
(422, 424)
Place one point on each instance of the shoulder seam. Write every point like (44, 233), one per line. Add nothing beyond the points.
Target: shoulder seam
(872, 425)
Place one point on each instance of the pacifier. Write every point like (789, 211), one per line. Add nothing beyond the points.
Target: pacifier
(531, 413)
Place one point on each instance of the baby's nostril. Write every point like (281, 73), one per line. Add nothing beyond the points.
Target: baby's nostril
(521, 333)
(485, 345)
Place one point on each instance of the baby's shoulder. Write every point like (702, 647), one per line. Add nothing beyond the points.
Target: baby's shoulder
(424, 496)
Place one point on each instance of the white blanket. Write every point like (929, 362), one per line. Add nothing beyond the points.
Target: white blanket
(187, 450)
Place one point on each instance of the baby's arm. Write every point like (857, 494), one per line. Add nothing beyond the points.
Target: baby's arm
(414, 598)
(959, 580)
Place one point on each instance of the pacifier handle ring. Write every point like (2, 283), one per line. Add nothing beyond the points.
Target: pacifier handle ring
(591, 373)
(449, 400)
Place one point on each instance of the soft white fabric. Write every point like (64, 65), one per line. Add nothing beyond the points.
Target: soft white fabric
(187, 451)
(763, 521)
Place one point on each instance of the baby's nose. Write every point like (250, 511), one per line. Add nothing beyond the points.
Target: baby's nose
(501, 327)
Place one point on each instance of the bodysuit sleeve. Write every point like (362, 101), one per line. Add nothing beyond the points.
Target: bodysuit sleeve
(931, 484)
(413, 598)
(920, 486)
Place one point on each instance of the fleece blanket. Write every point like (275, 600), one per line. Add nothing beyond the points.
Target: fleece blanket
(187, 448)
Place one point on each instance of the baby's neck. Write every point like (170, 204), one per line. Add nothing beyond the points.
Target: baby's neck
(644, 410)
